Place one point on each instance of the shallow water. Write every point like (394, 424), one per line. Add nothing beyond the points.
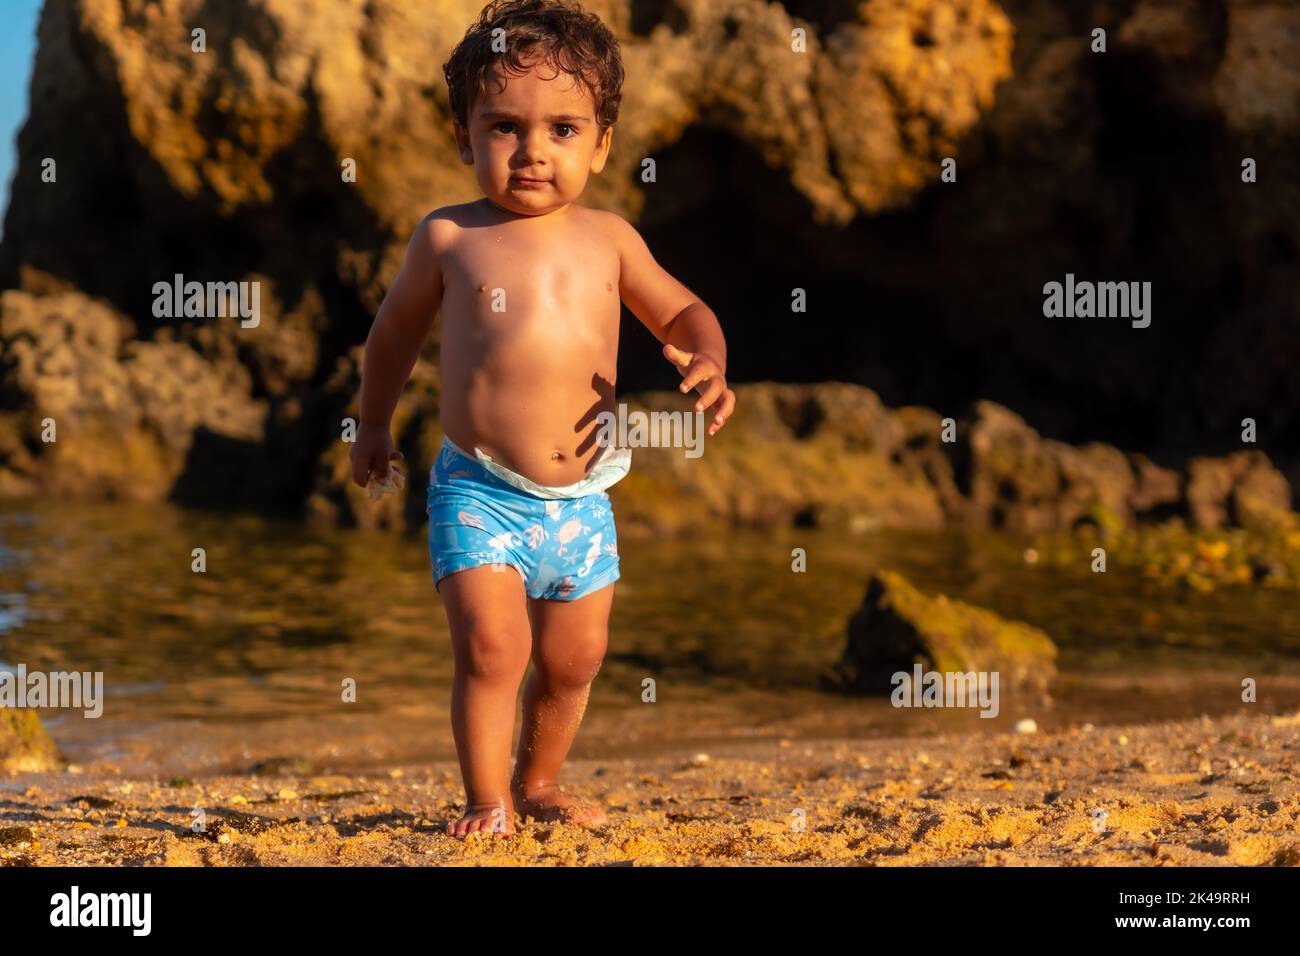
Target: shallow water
(247, 659)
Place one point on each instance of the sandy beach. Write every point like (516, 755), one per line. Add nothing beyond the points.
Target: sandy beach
(1202, 792)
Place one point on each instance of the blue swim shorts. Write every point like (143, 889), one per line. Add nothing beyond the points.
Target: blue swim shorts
(563, 548)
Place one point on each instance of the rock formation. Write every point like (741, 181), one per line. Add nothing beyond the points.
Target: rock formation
(814, 169)
(25, 747)
(832, 455)
(898, 626)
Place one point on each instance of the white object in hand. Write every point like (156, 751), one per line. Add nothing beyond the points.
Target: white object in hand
(391, 483)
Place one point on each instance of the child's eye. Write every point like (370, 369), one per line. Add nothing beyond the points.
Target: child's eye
(560, 126)
(497, 127)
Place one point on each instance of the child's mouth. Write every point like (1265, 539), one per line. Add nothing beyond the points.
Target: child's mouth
(528, 183)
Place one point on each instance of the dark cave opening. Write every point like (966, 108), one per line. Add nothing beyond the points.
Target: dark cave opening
(859, 326)
(927, 306)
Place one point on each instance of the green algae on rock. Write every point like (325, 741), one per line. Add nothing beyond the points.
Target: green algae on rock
(25, 747)
(898, 625)
(833, 455)
(1201, 559)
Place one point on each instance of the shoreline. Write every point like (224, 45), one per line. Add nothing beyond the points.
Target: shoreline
(162, 738)
(1201, 792)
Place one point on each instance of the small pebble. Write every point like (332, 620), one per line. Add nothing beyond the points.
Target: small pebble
(1026, 725)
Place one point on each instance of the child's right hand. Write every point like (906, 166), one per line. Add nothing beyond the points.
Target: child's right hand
(371, 453)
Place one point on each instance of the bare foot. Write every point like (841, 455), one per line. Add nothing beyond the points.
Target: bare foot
(548, 803)
(484, 818)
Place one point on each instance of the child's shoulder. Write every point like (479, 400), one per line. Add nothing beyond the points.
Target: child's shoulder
(604, 216)
(459, 215)
(460, 211)
(439, 227)
(614, 226)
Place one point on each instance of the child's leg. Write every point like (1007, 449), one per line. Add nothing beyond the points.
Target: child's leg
(569, 641)
(491, 640)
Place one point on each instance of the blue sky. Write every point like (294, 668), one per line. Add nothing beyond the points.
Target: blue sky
(17, 47)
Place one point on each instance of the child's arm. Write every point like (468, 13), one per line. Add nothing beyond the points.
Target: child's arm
(404, 319)
(688, 328)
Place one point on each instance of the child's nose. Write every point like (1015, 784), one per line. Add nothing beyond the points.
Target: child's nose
(532, 144)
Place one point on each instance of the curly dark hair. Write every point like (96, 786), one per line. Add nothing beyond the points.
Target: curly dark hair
(569, 38)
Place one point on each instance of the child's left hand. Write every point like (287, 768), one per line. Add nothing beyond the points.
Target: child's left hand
(697, 368)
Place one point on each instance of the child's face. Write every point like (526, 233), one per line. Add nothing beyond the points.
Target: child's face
(537, 126)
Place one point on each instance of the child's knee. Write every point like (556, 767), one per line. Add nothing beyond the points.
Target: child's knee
(570, 671)
(494, 653)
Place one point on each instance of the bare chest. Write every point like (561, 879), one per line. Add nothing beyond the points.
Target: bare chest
(508, 279)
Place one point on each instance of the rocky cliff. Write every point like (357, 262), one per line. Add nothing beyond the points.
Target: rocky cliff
(816, 170)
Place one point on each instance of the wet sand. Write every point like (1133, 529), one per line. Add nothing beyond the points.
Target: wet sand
(1201, 792)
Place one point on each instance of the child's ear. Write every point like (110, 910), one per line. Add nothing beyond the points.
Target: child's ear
(461, 136)
(602, 150)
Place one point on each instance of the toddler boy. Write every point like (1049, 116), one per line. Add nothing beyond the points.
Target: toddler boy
(521, 531)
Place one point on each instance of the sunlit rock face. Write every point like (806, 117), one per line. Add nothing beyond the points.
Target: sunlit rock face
(796, 145)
